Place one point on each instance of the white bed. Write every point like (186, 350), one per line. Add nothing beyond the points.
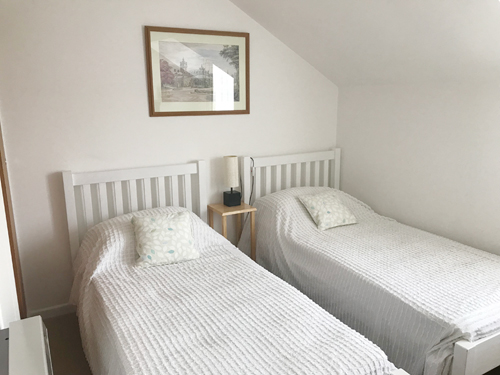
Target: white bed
(219, 314)
(423, 299)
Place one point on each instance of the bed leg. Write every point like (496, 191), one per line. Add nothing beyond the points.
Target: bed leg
(463, 363)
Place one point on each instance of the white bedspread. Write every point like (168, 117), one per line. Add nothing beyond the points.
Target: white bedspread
(411, 292)
(219, 314)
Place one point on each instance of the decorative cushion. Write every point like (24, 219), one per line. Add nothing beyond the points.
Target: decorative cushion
(327, 211)
(164, 239)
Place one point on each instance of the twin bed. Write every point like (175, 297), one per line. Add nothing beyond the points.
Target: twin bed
(431, 304)
(218, 314)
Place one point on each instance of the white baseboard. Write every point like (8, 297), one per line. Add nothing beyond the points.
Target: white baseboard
(52, 312)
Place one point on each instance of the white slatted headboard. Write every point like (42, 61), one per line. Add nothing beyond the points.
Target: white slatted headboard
(273, 173)
(93, 197)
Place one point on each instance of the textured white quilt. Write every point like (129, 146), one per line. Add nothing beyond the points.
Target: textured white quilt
(411, 292)
(219, 314)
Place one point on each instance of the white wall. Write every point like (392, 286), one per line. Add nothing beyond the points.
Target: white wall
(427, 155)
(73, 96)
(388, 42)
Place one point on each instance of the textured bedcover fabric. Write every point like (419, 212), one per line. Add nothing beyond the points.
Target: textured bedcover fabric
(411, 292)
(219, 314)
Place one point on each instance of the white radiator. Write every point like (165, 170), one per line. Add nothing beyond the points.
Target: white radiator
(29, 351)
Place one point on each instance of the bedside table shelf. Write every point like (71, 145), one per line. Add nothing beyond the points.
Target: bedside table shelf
(225, 211)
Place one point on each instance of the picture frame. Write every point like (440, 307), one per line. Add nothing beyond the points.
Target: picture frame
(193, 72)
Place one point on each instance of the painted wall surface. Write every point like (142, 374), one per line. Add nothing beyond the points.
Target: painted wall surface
(73, 96)
(427, 155)
(388, 42)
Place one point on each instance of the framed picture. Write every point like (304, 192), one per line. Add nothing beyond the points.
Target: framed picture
(197, 72)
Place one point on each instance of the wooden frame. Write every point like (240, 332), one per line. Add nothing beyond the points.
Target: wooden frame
(477, 357)
(225, 211)
(213, 77)
(11, 227)
(93, 197)
(469, 358)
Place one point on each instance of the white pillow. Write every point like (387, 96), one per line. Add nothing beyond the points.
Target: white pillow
(327, 211)
(164, 239)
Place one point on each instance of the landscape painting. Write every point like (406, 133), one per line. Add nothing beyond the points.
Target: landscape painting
(197, 72)
(187, 70)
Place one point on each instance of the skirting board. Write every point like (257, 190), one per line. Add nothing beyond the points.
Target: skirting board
(52, 312)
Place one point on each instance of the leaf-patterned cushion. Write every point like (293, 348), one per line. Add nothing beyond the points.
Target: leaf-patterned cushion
(327, 211)
(164, 239)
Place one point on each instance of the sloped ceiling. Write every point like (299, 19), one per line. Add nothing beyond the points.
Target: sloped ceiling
(388, 41)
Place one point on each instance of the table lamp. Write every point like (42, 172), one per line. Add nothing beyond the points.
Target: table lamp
(231, 179)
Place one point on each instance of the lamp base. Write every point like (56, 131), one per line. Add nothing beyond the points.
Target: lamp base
(232, 198)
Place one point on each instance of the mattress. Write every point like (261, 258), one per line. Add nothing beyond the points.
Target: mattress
(219, 314)
(411, 292)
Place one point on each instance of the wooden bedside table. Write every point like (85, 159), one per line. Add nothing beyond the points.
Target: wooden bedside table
(225, 211)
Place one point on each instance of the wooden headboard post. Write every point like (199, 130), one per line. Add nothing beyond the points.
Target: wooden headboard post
(336, 178)
(93, 197)
(246, 167)
(202, 189)
(265, 175)
(69, 196)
